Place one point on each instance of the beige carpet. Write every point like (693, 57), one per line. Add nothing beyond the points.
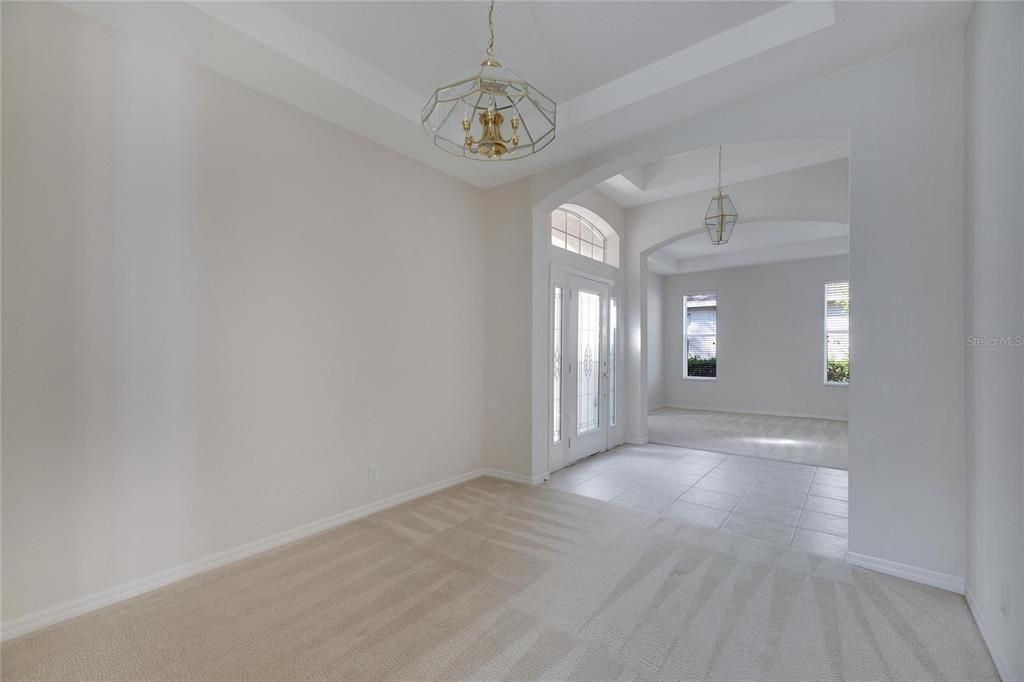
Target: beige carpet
(817, 442)
(492, 580)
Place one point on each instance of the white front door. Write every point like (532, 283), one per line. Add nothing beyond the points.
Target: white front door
(586, 390)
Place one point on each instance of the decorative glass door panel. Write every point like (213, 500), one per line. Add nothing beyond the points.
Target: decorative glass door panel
(585, 360)
(556, 367)
(588, 353)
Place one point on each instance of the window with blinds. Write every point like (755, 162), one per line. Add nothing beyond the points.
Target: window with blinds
(837, 333)
(700, 337)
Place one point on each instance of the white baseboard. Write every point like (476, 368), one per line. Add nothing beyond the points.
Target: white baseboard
(637, 440)
(925, 576)
(761, 413)
(510, 476)
(999, 656)
(61, 612)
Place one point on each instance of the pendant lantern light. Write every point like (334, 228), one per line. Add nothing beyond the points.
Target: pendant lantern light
(722, 215)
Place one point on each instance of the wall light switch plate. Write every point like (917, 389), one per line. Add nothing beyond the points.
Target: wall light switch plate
(371, 474)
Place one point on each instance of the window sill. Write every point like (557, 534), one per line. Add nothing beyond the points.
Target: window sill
(700, 378)
(845, 384)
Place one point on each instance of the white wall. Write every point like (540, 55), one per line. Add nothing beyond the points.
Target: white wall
(216, 309)
(770, 340)
(995, 373)
(517, 427)
(508, 418)
(655, 341)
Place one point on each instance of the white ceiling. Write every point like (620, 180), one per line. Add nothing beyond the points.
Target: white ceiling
(565, 48)
(751, 244)
(618, 70)
(697, 171)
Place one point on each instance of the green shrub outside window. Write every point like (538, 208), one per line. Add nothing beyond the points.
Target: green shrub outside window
(701, 367)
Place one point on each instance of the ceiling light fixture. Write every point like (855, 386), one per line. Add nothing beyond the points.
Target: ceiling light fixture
(491, 95)
(721, 216)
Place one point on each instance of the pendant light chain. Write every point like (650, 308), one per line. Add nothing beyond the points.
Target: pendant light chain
(719, 169)
(490, 25)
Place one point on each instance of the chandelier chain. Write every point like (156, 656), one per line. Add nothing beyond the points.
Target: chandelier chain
(719, 169)
(490, 25)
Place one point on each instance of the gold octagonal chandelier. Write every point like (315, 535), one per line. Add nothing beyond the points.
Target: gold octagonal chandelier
(722, 215)
(491, 113)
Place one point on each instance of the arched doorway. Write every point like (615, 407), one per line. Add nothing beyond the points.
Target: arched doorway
(778, 225)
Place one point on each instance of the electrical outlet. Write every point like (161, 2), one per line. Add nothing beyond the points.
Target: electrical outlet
(371, 474)
(1004, 599)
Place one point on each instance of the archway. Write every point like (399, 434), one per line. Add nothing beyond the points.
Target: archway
(633, 260)
(920, 262)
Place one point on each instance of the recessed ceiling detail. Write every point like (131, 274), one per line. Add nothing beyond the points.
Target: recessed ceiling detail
(767, 241)
(694, 172)
(568, 48)
(619, 69)
(780, 26)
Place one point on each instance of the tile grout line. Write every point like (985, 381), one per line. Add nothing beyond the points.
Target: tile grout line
(724, 457)
(803, 507)
(702, 477)
(744, 496)
(688, 488)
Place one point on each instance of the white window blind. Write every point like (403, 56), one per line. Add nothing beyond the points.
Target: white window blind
(700, 315)
(837, 332)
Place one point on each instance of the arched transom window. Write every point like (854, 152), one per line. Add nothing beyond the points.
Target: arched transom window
(573, 232)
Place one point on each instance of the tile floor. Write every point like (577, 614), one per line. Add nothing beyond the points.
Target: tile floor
(786, 503)
(818, 442)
